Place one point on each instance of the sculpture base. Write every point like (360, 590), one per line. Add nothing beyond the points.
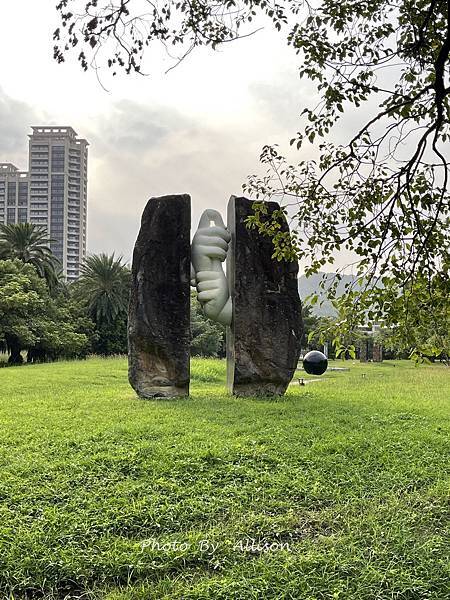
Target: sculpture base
(258, 390)
(153, 392)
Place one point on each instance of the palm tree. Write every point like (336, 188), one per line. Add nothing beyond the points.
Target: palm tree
(29, 243)
(105, 284)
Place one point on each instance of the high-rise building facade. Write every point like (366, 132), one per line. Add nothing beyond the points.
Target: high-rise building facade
(13, 194)
(53, 193)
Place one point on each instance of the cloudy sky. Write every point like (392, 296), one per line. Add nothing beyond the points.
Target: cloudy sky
(197, 130)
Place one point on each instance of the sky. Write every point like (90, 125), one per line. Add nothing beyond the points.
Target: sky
(198, 129)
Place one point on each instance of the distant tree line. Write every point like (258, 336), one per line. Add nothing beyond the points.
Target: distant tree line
(42, 317)
(420, 331)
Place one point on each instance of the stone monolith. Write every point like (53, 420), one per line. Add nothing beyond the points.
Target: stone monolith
(263, 342)
(159, 311)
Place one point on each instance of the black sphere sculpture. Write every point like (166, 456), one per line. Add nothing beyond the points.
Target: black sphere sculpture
(315, 363)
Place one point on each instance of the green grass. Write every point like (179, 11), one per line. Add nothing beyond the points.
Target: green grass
(348, 478)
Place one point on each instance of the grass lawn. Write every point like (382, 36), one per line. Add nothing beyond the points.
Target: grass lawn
(339, 490)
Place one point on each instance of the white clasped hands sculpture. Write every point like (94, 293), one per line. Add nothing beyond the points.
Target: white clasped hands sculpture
(209, 250)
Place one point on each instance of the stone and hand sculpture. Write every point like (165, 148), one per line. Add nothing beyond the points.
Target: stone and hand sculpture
(257, 299)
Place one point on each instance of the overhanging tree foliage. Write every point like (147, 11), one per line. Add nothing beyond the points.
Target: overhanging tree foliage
(382, 195)
(424, 332)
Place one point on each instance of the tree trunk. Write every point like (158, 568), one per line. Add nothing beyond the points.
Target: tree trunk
(15, 357)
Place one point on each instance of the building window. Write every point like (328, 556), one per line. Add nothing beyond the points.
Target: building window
(58, 158)
(23, 193)
(12, 188)
(22, 215)
(11, 215)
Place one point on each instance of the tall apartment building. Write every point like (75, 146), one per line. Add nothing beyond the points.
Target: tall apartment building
(13, 194)
(53, 193)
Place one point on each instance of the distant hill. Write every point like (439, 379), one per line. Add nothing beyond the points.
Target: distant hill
(311, 285)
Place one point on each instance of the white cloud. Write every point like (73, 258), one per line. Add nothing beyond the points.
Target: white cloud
(15, 118)
(138, 152)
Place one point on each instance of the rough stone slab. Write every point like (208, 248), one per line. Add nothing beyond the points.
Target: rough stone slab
(263, 342)
(377, 353)
(364, 351)
(159, 311)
